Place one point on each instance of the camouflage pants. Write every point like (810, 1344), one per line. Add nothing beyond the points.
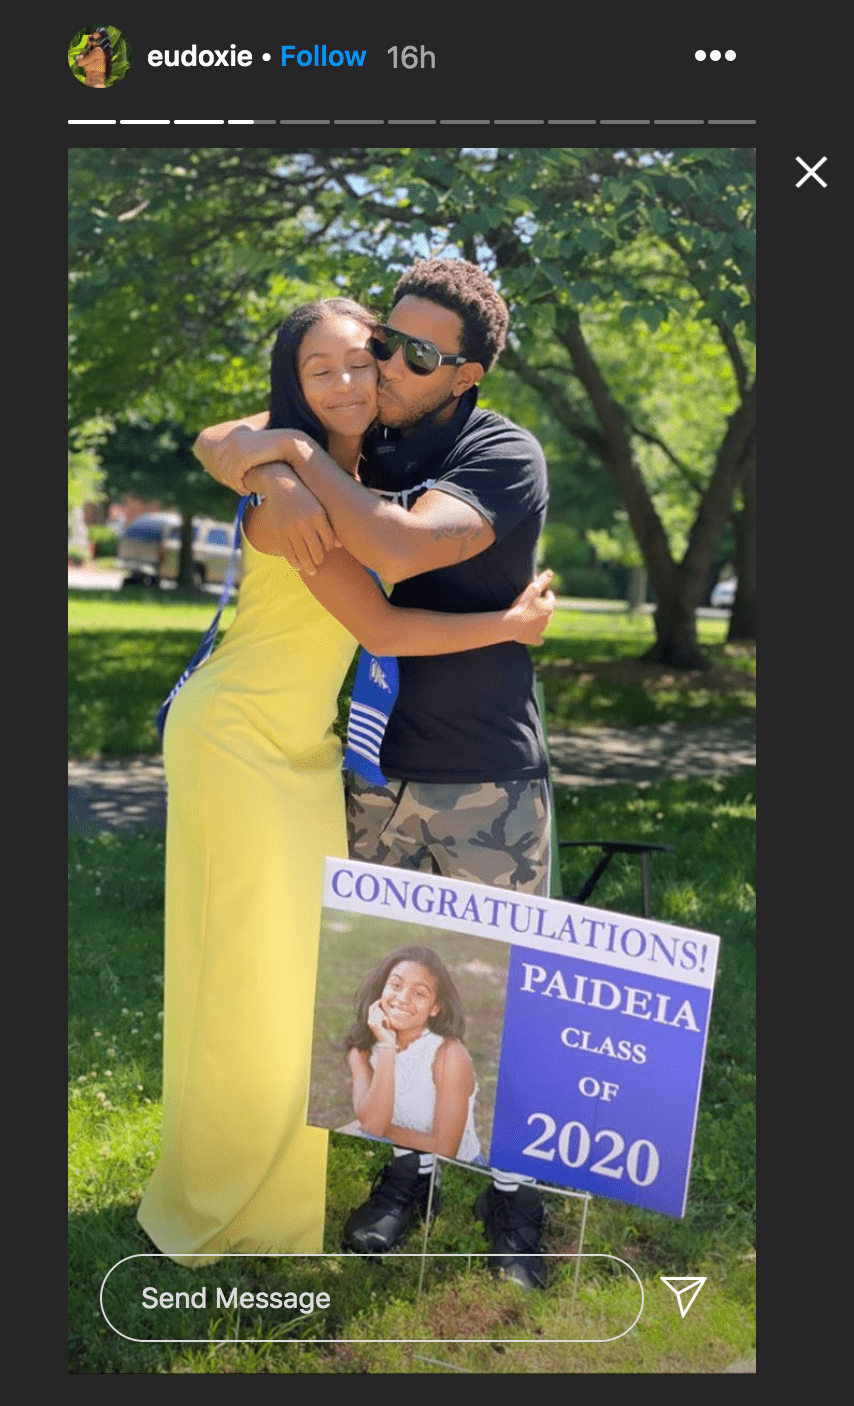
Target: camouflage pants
(496, 833)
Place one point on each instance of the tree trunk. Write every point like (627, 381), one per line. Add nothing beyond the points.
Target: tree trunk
(636, 590)
(186, 575)
(742, 620)
(676, 642)
(679, 589)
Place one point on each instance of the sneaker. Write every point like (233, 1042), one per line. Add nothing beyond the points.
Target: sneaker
(513, 1222)
(398, 1193)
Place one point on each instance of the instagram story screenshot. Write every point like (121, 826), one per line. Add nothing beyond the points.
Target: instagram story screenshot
(412, 678)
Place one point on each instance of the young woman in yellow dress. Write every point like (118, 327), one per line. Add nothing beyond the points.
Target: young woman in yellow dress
(255, 803)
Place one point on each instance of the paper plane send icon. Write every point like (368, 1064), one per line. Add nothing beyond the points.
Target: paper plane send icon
(685, 1287)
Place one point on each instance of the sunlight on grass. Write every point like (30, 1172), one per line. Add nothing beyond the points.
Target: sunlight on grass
(161, 610)
(621, 628)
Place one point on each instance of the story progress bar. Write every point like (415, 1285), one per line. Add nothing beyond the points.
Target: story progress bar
(410, 121)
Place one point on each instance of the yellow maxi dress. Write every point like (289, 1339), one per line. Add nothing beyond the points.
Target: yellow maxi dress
(254, 803)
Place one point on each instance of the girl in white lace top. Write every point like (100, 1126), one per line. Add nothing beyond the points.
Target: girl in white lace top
(412, 1076)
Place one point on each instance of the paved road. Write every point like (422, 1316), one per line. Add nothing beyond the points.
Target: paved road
(131, 793)
(90, 578)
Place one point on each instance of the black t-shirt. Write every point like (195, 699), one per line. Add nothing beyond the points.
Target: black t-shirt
(467, 717)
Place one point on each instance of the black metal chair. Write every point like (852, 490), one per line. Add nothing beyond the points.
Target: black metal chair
(609, 848)
(643, 849)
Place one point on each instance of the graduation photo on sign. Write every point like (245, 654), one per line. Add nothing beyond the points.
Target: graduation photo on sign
(407, 1034)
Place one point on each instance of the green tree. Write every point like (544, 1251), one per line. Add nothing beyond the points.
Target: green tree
(676, 385)
(85, 473)
(173, 261)
(659, 234)
(181, 262)
(154, 460)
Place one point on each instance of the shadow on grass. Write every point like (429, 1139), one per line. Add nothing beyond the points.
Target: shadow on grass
(100, 1246)
(598, 684)
(129, 647)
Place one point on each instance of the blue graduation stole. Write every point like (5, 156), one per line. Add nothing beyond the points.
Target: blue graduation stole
(209, 639)
(374, 691)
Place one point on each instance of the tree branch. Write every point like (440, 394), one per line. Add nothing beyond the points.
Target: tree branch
(625, 472)
(735, 356)
(688, 475)
(560, 407)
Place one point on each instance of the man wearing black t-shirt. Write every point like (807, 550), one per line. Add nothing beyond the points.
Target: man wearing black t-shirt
(457, 503)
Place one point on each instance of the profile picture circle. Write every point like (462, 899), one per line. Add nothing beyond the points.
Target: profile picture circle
(99, 56)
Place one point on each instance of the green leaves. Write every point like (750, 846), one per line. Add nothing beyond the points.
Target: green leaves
(616, 190)
(582, 292)
(658, 221)
(651, 314)
(621, 269)
(183, 237)
(591, 239)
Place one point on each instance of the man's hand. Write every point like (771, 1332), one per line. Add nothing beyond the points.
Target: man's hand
(290, 522)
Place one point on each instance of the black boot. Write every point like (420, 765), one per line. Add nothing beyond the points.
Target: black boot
(398, 1193)
(513, 1221)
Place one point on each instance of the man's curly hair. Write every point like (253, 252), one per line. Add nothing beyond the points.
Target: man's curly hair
(463, 288)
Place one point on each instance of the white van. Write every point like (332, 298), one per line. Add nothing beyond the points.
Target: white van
(150, 548)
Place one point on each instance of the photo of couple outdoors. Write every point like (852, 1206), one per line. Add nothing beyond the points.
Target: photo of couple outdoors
(374, 464)
(411, 897)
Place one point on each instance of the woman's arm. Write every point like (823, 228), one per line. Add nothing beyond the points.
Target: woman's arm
(305, 532)
(345, 589)
(373, 1099)
(453, 1076)
(373, 1089)
(348, 592)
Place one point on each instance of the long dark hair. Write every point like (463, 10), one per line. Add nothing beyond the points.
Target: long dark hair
(448, 1020)
(100, 39)
(288, 408)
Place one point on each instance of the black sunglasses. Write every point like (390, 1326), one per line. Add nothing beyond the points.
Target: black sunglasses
(420, 356)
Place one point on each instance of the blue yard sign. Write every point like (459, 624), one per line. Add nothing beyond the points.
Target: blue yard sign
(603, 1033)
(599, 1077)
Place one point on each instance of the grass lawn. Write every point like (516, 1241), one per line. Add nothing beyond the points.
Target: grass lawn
(116, 987)
(592, 673)
(126, 650)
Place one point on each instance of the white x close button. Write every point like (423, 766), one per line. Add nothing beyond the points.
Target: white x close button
(811, 171)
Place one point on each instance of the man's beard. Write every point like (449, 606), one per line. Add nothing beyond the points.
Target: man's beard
(414, 416)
